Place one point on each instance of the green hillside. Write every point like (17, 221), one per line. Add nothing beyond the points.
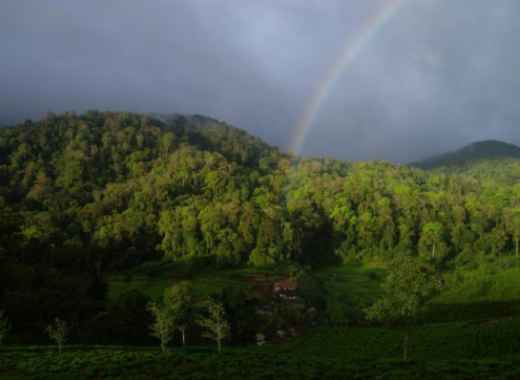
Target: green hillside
(330, 262)
(471, 154)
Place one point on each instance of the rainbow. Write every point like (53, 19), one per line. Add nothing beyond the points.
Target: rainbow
(350, 52)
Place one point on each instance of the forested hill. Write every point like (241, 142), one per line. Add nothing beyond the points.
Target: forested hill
(214, 135)
(132, 186)
(471, 154)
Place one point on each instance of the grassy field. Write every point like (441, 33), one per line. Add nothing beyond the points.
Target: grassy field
(488, 289)
(153, 277)
(462, 350)
(121, 365)
(354, 285)
(472, 332)
(488, 280)
(486, 283)
(357, 284)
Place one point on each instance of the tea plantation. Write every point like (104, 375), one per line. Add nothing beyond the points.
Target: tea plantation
(471, 332)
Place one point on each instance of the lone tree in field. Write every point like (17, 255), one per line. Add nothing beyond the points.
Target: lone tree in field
(163, 326)
(5, 326)
(179, 299)
(58, 332)
(408, 289)
(215, 324)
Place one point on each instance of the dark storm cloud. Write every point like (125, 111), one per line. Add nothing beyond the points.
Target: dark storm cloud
(440, 74)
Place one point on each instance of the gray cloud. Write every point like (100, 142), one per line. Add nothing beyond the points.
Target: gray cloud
(440, 74)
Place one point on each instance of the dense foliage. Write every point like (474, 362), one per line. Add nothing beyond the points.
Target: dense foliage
(83, 194)
(134, 185)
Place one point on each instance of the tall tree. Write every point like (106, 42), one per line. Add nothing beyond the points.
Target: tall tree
(431, 238)
(163, 325)
(215, 323)
(179, 299)
(407, 291)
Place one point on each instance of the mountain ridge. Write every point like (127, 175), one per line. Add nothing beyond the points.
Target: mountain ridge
(471, 153)
(216, 134)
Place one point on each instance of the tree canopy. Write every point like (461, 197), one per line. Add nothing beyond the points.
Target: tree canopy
(130, 186)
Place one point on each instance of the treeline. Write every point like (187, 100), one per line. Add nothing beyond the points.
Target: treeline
(187, 186)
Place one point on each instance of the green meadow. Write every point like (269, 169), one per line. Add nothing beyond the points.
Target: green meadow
(475, 341)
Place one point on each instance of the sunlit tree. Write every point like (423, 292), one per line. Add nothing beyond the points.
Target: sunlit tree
(215, 325)
(407, 291)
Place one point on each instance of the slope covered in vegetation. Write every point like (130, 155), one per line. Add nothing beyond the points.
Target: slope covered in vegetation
(84, 196)
(472, 153)
(192, 186)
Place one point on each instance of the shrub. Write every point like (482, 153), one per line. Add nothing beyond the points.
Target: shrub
(58, 332)
(5, 326)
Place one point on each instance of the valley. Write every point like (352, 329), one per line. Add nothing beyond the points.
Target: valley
(183, 247)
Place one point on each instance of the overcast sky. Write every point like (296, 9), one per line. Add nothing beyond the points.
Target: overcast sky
(439, 74)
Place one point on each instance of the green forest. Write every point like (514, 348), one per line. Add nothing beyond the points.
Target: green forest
(132, 187)
(107, 218)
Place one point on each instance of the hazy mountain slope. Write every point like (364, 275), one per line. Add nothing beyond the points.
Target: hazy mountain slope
(478, 151)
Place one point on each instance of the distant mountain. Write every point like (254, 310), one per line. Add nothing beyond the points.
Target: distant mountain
(478, 151)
